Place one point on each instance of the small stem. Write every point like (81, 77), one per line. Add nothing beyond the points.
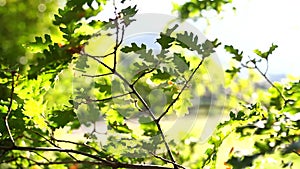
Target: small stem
(166, 160)
(267, 67)
(183, 88)
(117, 35)
(142, 75)
(110, 98)
(269, 81)
(10, 107)
(93, 76)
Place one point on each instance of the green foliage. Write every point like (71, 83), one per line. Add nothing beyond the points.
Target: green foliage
(132, 91)
(266, 54)
(195, 8)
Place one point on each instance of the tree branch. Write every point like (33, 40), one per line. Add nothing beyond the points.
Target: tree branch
(264, 74)
(106, 99)
(93, 76)
(142, 75)
(166, 160)
(151, 113)
(134, 91)
(183, 88)
(100, 161)
(52, 143)
(272, 84)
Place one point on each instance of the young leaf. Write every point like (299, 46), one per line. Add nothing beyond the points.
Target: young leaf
(265, 55)
(238, 56)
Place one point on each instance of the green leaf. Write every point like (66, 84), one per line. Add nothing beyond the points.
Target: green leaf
(128, 13)
(238, 56)
(266, 54)
(189, 41)
(165, 41)
(181, 63)
(149, 126)
(133, 48)
(60, 118)
(119, 127)
(233, 71)
(39, 45)
(262, 146)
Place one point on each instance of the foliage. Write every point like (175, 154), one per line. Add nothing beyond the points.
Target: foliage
(195, 8)
(68, 86)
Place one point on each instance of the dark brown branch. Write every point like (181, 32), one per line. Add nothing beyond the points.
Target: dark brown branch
(296, 152)
(38, 154)
(142, 75)
(10, 106)
(109, 98)
(93, 76)
(166, 160)
(99, 61)
(117, 35)
(78, 144)
(181, 91)
(135, 92)
(151, 113)
(52, 143)
(9, 160)
(100, 161)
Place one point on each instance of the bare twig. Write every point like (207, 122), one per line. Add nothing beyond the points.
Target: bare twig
(117, 35)
(271, 83)
(264, 74)
(38, 154)
(10, 106)
(106, 99)
(151, 113)
(166, 160)
(142, 75)
(78, 144)
(93, 76)
(181, 91)
(52, 143)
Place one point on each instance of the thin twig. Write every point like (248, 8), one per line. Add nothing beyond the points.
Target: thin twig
(109, 98)
(78, 144)
(97, 60)
(135, 92)
(142, 75)
(272, 84)
(117, 35)
(52, 143)
(151, 113)
(266, 71)
(41, 156)
(181, 91)
(166, 160)
(93, 76)
(10, 107)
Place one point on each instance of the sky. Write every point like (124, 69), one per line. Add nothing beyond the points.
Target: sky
(255, 24)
